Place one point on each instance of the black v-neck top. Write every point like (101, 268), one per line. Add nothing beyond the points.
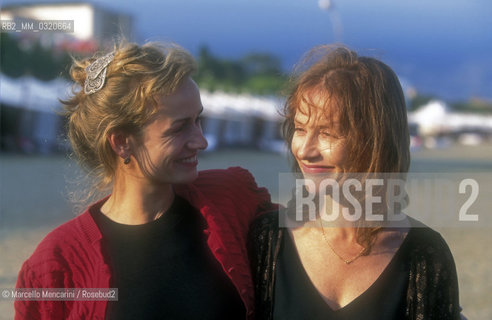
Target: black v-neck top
(165, 270)
(297, 298)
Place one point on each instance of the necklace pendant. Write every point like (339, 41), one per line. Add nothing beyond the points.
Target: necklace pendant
(347, 262)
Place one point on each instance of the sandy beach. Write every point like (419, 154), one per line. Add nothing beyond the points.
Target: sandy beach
(34, 193)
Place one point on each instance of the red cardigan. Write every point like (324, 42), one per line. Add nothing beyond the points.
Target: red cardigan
(72, 255)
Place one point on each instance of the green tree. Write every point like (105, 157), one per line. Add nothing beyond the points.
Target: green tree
(419, 100)
(473, 106)
(42, 63)
(257, 73)
(262, 64)
(13, 60)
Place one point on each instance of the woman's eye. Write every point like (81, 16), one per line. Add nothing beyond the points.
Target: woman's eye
(198, 120)
(298, 129)
(176, 130)
(181, 128)
(328, 134)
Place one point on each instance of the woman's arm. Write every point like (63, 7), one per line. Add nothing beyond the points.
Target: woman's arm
(433, 291)
(40, 309)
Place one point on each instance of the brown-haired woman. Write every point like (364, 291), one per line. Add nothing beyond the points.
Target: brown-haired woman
(346, 114)
(172, 240)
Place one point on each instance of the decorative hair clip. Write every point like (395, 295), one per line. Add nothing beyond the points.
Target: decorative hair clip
(96, 74)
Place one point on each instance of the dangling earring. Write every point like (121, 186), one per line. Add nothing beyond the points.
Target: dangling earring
(127, 160)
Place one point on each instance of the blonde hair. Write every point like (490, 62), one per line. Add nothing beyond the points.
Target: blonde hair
(135, 78)
(368, 100)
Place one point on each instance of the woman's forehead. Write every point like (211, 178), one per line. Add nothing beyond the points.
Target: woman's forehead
(316, 109)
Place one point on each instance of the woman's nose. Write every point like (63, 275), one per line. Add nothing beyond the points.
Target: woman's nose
(309, 147)
(197, 141)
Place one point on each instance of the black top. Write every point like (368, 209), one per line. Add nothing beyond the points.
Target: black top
(297, 298)
(165, 270)
(431, 284)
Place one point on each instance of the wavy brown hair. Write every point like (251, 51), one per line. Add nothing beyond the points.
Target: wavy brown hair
(370, 109)
(135, 78)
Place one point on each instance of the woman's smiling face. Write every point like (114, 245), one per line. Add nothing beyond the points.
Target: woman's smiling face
(316, 144)
(169, 144)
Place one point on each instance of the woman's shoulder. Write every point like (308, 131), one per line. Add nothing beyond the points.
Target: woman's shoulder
(235, 181)
(56, 255)
(232, 176)
(235, 184)
(264, 229)
(267, 221)
(433, 278)
(65, 240)
(264, 234)
(422, 234)
(426, 243)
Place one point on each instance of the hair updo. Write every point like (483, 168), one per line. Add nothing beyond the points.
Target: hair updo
(134, 79)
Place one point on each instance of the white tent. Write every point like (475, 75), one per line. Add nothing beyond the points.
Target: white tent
(39, 122)
(435, 117)
(33, 94)
(233, 118)
(230, 118)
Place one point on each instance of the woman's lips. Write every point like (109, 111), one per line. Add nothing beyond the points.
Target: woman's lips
(313, 169)
(190, 162)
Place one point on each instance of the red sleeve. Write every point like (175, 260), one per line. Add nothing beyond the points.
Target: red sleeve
(26, 309)
(235, 188)
(37, 273)
(259, 198)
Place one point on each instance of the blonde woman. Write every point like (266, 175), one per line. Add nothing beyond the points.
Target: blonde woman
(171, 239)
(346, 114)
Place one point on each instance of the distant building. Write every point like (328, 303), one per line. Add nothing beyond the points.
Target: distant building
(439, 126)
(93, 26)
(29, 106)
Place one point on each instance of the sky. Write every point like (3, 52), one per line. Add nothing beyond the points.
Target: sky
(440, 47)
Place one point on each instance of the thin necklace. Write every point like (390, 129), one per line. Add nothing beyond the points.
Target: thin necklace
(349, 261)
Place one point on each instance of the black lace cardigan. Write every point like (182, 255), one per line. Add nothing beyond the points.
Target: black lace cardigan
(432, 285)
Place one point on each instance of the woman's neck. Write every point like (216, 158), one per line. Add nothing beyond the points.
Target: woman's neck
(332, 214)
(137, 201)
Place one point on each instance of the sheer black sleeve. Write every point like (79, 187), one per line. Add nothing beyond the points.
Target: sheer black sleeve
(433, 283)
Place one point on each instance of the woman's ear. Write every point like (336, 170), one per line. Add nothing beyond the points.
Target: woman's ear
(120, 143)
